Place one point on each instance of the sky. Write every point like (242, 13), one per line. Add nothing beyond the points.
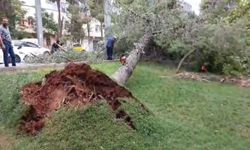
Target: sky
(195, 5)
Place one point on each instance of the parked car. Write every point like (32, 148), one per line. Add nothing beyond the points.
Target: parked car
(78, 48)
(24, 49)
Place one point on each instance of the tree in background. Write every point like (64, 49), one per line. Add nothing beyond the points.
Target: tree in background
(13, 10)
(242, 12)
(224, 40)
(48, 22)
(215, 10)
(77, 22)
(60, 23)
(97, 11)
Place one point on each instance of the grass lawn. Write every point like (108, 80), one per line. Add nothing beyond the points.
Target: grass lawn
(185, 115)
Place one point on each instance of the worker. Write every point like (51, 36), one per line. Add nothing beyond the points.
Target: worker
(109, 46)
(203, 68)
(123, 59)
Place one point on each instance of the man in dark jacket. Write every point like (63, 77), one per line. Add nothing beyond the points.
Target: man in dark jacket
(55, 46)
(110, 45)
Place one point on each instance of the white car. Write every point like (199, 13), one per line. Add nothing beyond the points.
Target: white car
(23, 49)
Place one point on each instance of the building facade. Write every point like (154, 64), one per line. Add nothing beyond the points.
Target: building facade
(27, 24)
(185, 6)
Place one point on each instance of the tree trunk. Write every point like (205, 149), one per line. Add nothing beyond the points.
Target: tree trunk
(101, 30)
(182, 60)
(107, 18)
(122, 75)
(62, 26)
(59, 18)
(88, 29)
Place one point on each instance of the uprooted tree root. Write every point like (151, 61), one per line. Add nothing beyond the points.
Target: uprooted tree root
(76, 85)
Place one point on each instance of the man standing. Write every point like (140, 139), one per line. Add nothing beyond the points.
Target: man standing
(110, 45)
(6, 38)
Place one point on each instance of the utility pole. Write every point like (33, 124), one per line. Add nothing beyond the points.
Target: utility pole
(107, 18)
(39, 23)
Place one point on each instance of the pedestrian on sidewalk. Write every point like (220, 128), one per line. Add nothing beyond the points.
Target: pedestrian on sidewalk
(6, 39)
(109, 46)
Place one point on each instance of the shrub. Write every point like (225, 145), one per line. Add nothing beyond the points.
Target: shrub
(68, 56)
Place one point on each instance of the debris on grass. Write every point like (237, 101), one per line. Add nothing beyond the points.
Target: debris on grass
(242, 82)
(75, 86)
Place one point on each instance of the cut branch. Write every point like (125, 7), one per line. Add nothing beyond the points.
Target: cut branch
(182, 60)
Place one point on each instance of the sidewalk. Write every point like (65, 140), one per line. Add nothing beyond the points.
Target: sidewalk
(32, 67)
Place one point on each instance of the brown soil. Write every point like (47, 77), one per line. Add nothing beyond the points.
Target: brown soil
(76, 85)
(6, 142)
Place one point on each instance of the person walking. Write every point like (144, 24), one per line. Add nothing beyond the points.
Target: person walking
(109, 46)
(6, 39)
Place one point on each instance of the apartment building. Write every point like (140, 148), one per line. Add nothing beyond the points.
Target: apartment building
(27, 24)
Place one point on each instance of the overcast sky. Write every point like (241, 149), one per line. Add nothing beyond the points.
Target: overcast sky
(195, 5)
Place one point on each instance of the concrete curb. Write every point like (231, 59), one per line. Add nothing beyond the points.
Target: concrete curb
(32, 67)
(52, 66)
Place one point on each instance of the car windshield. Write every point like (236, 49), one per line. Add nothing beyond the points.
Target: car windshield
(29, 44)
(17, 43)
(77, 45)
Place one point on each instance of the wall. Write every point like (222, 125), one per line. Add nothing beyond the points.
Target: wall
(95, 28)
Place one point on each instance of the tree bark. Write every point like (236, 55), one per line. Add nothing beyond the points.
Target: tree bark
(88, 29)
(122, 75)
(59, 18)
(107, 18)
(101, 30)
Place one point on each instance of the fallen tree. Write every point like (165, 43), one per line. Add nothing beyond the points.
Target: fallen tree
(157, 22)
(122, 75)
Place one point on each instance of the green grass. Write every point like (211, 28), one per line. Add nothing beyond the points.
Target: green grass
(185, 115)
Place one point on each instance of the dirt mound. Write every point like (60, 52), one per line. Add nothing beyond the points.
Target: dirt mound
(76, 85)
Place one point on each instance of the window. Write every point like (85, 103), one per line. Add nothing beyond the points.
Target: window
(29, 44)
(30, 21)
(97, 28)
(77, 45)
(22, 22)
